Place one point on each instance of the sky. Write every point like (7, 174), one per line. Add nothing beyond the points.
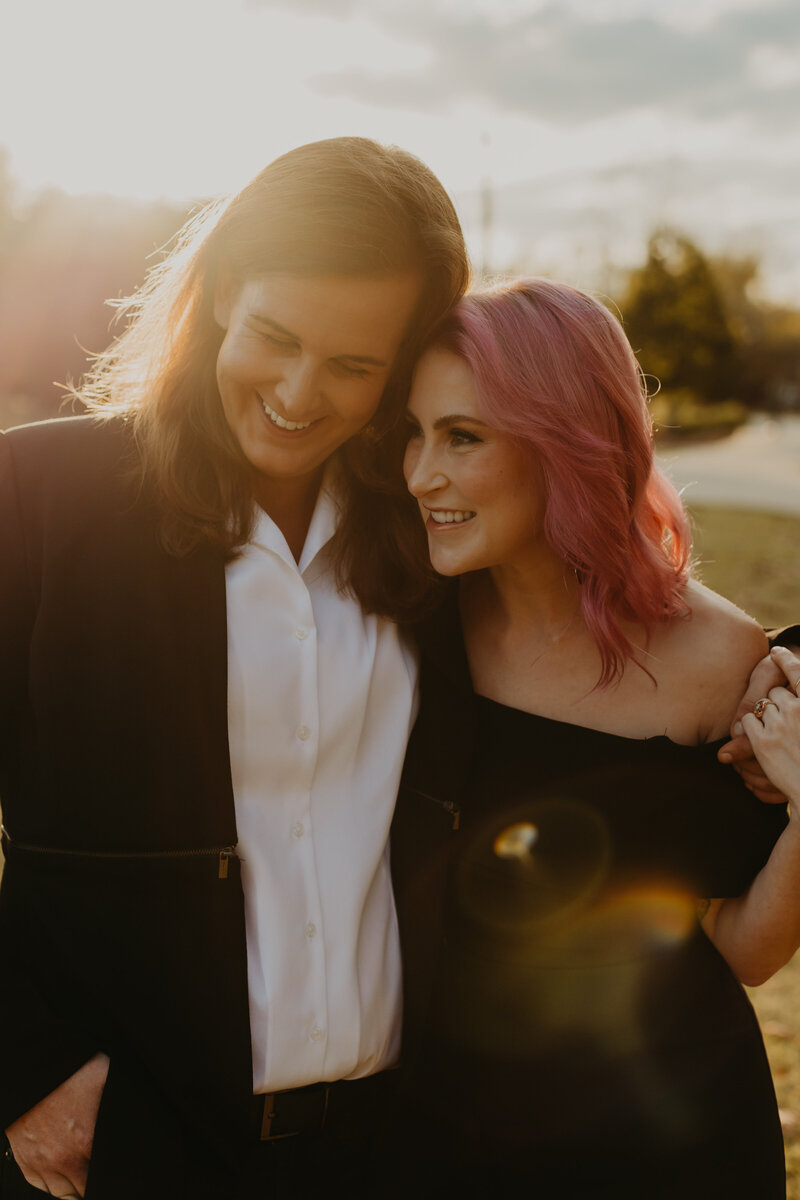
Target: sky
(586, 122)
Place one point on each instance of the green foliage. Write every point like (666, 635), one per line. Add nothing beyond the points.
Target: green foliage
(676, 321)
(702, 326)
(768, 335)
(682, 413)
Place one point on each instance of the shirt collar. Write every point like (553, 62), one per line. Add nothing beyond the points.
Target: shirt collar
(324, 520)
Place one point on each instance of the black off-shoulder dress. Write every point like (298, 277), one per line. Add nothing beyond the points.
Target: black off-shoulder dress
(579, 1035)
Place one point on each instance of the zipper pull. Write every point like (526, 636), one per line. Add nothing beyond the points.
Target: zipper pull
(456, 811)
(224, 855)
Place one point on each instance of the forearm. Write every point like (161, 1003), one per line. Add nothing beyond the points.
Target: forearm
(758, 932)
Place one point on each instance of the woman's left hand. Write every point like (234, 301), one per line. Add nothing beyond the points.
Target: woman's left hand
(774, 728)
(759, 931)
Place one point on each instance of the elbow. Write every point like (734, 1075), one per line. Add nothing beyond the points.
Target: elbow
(753, 974)
(754, 978)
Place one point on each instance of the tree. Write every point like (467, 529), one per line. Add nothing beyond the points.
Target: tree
(676, 321)
(768, 335)
(9, 223)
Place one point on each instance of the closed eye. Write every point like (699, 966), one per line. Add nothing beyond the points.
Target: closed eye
(280, 343)
(350, 371)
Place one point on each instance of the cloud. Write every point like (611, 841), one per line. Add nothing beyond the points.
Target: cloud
(592, 226)
(558, 66)
(312, 8)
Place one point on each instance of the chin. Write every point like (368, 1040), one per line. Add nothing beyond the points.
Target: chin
(449, 567)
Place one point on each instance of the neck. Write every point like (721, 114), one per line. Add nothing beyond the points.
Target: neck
(290, 504)
(519, 624)
(543, 595)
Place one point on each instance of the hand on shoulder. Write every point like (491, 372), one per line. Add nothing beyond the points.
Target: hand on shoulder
(775, 733)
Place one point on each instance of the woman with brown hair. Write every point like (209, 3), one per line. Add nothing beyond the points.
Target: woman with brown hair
(204, 708)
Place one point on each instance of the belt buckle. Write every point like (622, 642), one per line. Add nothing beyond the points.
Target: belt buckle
(268, 1117)
(270, 1112)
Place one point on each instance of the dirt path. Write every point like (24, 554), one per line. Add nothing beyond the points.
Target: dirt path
(758, 466)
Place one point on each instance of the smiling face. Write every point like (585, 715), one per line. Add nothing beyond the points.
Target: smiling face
(304, 363)
(480, 494)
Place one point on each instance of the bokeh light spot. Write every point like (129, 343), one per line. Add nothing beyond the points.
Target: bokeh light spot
(516, 841)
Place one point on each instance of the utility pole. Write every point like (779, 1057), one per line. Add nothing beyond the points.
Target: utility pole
(486, 209)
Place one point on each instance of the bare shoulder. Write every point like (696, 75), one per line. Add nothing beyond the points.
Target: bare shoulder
(713, 651)
(717, 625)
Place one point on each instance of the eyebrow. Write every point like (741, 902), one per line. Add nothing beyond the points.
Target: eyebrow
(450, 419)
(262, 319)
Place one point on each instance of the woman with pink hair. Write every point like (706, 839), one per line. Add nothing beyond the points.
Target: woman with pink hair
(595, 883)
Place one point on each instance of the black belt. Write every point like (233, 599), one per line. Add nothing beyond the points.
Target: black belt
(319, 1106)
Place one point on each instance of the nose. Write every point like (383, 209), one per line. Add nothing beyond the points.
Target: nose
(422, 471)
(297, 388)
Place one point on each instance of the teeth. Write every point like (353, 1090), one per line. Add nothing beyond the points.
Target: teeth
(280, 421)
(451, 517)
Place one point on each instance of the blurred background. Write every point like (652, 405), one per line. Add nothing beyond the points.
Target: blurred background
(648, 151)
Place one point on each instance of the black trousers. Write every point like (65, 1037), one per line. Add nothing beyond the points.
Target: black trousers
(293, 1168)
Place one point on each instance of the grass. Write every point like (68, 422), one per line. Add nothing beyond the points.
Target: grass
(777, 1003)
(754, 560)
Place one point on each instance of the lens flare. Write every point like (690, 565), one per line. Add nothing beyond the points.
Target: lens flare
(552, 949)
(516, 841)
(643, 918)
(578, 977)
(531, 865)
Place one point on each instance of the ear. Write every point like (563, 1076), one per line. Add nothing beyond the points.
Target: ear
(224, 296)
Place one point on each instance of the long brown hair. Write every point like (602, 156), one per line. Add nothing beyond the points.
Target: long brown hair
(344, 206)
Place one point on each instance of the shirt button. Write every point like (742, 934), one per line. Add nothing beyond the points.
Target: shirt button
(298, 829)
(300, 633)
(310, 929)
(304, 733)
(316, 1033)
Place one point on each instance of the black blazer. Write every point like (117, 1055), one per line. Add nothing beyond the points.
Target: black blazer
(121, 910)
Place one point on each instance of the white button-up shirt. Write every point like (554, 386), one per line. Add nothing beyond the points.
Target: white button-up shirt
(321, 700)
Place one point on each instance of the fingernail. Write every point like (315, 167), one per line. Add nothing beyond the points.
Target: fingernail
(724, 757)
(738, 729)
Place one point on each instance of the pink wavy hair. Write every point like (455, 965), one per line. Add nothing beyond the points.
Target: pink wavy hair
(554, 370)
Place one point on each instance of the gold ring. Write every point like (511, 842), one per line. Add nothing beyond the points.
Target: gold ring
(760, 705)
